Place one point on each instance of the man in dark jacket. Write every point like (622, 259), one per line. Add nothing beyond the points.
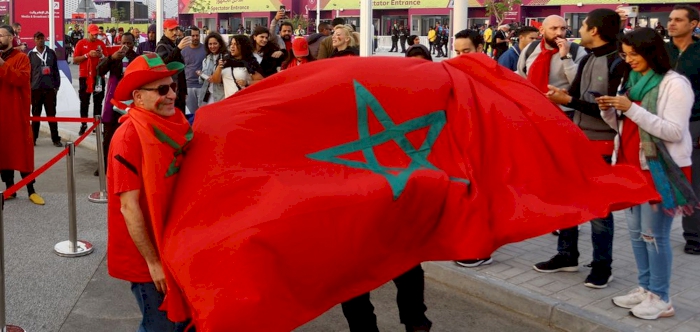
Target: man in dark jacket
(170, 52)
(394, 39)
(315, 40)
(46, 80)
(404, 35)
(684, 50)
(599, 33)
(150, 44)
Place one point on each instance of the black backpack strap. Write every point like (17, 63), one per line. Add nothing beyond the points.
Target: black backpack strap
(528, 52)
(573, 50)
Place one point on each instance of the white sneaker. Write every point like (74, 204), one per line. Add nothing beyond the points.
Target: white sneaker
(653, 307)
(632, 299)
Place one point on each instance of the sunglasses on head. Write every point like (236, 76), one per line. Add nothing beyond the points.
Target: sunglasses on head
(163, 89)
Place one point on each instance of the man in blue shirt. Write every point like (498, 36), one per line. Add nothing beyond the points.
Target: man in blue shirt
(193, 55)
(526, 35)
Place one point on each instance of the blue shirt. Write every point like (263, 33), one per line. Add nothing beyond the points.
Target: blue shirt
(193, 62)
(509, 59)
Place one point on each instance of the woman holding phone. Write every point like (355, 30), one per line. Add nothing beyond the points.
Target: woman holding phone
(210, 75)
(651, 118)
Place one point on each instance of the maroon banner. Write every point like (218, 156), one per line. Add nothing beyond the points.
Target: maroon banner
(4, 7)
(34, 16)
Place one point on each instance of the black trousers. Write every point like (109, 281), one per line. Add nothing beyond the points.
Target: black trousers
(359, 311)
(403, 45)
(394, 44)
(8, 176)
(45, 98)
(97, 98)
(109, 129)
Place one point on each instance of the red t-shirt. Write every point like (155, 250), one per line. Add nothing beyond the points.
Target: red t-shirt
(124, 261)
(88, 67)
(629, 154)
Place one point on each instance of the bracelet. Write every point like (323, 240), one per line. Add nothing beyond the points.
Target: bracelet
(86, 56)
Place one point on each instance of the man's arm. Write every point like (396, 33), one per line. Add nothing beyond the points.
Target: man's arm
(522, 62)
(571, 65)
(136, 225)
(323, 50)
(55, 74)
(17, 75)
(273, 24)
(168, 57)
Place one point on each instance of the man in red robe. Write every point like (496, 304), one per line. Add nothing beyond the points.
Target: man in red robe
(17, 148)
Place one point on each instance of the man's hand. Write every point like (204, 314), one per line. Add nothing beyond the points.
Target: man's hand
(563, 46)
(277, 54)
(558, 96)
(623, 16)
(156, 270)
(279, 15)
(118, 55)
(185, 42)
(94, 54)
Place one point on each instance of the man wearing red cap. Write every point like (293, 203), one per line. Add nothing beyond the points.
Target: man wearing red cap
(88, 53)
(170, 52)
(143, 165)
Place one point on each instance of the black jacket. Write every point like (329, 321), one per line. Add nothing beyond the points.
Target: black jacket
(114, 67)
(269, 64)
(39, 80)
(688, 64)
(169, 52)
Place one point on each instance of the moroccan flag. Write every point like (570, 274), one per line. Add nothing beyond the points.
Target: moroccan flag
(327, 180)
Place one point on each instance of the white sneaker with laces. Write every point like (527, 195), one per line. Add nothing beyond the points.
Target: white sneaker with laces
(653, 307)
(632, 299)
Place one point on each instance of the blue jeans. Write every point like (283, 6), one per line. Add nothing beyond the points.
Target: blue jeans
(193, 99)
(602, 232)
(154, 320)
(650, 230)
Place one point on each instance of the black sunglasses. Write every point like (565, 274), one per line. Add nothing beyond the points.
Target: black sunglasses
(163, 89)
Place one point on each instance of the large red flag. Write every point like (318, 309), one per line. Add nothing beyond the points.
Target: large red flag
(327, 180)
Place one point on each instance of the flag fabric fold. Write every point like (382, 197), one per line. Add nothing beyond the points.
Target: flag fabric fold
(327, 180)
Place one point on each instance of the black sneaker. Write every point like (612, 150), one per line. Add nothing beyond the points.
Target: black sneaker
(474, 262)
(558, 263)
(83, 129)
(598, 280)
(692, 248)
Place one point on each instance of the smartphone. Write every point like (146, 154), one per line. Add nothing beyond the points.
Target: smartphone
(595, 94)
(188, 33)
(124, 48)
(283, 8)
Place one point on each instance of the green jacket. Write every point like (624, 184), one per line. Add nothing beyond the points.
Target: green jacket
(688, 64)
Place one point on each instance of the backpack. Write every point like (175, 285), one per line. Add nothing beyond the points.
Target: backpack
(573, 50)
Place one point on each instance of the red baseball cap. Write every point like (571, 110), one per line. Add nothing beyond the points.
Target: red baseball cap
(300, 47)
(93, 29)
(170, 24)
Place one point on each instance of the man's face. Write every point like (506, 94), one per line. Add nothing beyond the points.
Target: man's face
(286, 32)
(527, 38)
(586, 37)
(102, 30)
(151, 100)
(552, 29)
(326, 31)
(465, 46)
(91, 37)
(136, 32)
(128, 41)
(195, 38)
(170, 33)
(18, 30)
(5, 39)
(39, 42)
(152, 35)
(679, 25)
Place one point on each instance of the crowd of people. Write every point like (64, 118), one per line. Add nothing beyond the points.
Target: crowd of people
(635, 96)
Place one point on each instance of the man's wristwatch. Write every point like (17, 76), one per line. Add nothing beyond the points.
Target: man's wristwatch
(86, 56)
(567, 56)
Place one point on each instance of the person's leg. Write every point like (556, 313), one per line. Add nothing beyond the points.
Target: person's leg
(639, 248)
(50, 105)
(656, 232)
(84, 99)
(36, 111)
(359, 313)
(97, 98)
(567, 244)
(409, 298)
(193, 100)
(691, 223)
(30, 185)
(602, 232)
(8, 176)
(149, 300)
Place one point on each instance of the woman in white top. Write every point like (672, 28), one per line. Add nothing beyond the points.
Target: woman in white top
(210, 76)
(241, 69)
(653, 136)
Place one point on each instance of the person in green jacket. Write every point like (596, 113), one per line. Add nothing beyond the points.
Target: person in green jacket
(684, 52)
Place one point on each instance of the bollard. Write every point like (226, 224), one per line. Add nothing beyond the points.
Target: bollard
(100, 196)
(6, 328)
(72, 247)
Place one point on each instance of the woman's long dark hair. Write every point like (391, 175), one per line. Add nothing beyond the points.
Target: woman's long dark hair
(651, 46)
(217, 36)
(245, 45)
(270, 47)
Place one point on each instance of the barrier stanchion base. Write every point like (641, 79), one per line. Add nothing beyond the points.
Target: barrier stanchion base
(65, 249)
(12, 328)
(98, 197)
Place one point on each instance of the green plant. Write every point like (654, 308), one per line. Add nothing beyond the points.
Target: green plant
(118, 14)
(499, 8)
(200, 6)
(298, 19)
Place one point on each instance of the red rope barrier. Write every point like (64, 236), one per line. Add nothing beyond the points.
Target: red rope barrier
(46, 166)
(61, 119)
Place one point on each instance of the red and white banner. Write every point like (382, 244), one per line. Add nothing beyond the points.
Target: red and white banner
(4, 7)
(34, 16)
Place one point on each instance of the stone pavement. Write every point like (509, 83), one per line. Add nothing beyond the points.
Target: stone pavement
(557, 299)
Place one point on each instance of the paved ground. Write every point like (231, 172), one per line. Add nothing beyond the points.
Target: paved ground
(46, 292)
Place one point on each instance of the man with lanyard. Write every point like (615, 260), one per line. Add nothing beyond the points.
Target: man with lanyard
(599, 74)
(45, 83)
(684, 52)
(141, 176)
(509, 58)
(16, 150)
(88, 53)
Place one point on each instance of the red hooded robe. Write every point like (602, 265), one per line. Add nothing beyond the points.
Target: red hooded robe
(17, 141)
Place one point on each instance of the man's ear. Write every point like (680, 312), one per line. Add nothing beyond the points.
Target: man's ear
(593, 31)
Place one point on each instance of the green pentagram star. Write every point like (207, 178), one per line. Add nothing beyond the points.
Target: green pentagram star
(397, 177)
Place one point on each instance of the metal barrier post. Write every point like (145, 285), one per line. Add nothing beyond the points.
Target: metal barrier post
(100, 196)
(72, 247)
(5, 328)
